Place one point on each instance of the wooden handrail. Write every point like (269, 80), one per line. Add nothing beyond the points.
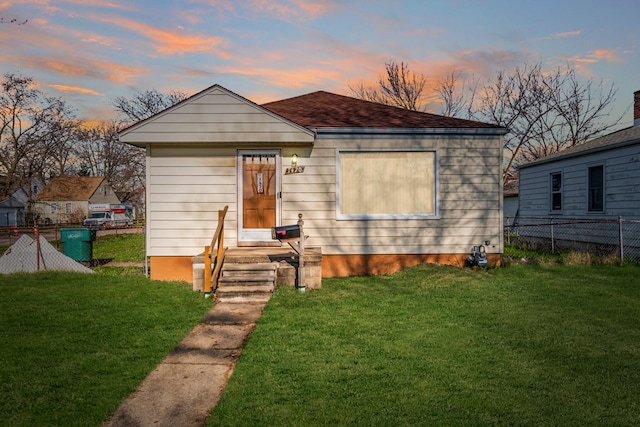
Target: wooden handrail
(216, 245)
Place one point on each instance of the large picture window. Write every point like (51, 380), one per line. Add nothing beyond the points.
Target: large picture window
(596, 188)
(387, 184)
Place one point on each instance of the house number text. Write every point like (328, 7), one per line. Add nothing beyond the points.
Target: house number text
(297, 169)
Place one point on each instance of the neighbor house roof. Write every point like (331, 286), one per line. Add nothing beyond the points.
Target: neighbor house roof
(70, 188)
(620, 138)
(324, 109)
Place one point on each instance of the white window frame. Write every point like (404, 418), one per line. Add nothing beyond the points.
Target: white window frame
(427, 215)
(68, 207)
(53, 208)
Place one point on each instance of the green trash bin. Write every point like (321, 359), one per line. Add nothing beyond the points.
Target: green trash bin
(77, 243)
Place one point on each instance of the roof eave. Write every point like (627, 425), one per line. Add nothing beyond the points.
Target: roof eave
(581, 153)
(335, 131)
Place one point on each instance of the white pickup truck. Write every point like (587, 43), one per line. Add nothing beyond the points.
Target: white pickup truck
(107, 217)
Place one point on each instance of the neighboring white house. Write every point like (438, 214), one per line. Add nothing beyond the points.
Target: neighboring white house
(66, 199)
(597, 180)
(380, 188)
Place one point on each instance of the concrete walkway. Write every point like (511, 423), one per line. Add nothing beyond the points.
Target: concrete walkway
(186, 386)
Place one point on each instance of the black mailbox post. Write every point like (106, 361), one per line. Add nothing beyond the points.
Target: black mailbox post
(295, 237)
(285, 232)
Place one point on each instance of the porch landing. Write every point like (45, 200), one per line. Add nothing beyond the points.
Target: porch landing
(285, 258)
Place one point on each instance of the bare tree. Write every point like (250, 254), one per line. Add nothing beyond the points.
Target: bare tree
(100, 153)
(400, 87)
(145, 104)
(545, 112)
(55, 153)
(456, 95)
(29, 126)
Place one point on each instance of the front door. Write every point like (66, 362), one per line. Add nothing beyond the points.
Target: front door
(259, 187)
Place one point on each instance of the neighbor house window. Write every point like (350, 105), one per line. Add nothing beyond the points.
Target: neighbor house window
(556, 191)
(386, 184)
(67, 208)
(54, 208)
(596, 189)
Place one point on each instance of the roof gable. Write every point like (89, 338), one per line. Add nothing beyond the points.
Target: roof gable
(324, 109)
(70, 188)
(215, 115)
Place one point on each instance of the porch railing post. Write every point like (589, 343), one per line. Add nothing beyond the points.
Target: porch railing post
(207, 269)
(209, 259)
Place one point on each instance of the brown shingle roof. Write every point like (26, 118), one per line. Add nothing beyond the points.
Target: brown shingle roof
(70, 188)
(324, 109)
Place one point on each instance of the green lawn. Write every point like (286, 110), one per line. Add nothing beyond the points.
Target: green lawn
(538, 343)
(75, 345)
(524, 345)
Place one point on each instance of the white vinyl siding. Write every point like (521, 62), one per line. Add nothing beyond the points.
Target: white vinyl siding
(185, 190)
(192, 173)
(216, 117)
(469, 199)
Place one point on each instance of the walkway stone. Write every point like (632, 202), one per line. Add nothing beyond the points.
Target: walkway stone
(187, 385)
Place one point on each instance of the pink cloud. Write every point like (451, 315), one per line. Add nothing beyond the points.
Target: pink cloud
(75, 89)
(285, 10)
(597, 55)
(170, 42)
(566, 34)
(609, 55)
(84, 68)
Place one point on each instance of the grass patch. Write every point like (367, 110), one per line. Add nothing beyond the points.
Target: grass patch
(534, 344)
(76, 345)
(120, 247)
(537, 342)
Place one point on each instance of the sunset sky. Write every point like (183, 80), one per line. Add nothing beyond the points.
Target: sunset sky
(90, 51)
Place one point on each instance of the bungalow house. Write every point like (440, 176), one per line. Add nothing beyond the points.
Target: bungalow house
(380, 188)
(592, 182)
(66, 199)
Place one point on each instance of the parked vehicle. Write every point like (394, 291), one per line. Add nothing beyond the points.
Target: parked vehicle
(108, 215)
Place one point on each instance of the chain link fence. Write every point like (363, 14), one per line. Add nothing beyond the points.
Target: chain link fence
(9, 235)
(29, 249)
(602, 237)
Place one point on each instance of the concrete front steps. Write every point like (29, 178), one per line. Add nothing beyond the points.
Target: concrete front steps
(246, 282)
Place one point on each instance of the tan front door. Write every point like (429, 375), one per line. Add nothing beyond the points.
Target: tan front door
(259, 180)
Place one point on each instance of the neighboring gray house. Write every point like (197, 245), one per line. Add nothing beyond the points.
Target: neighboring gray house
(597, 180)
(13, 207)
